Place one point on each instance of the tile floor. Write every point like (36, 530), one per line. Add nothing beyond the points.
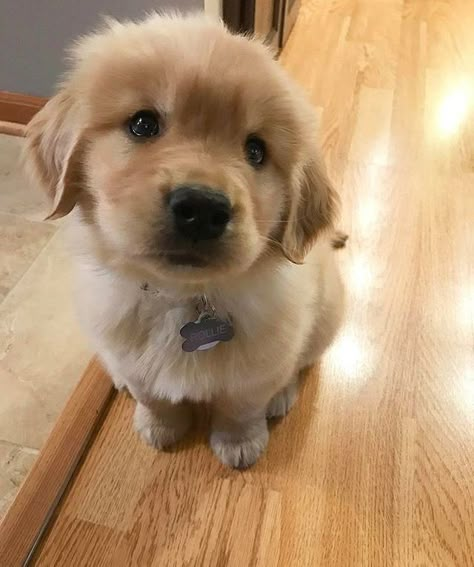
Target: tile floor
(42, 351)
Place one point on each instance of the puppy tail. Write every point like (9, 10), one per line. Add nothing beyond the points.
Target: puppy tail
(339, 239)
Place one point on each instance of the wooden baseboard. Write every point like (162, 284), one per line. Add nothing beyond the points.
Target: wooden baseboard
(30, 512)
(19, 108)
(12, 128)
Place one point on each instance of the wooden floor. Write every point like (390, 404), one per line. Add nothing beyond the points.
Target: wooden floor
(375, 465)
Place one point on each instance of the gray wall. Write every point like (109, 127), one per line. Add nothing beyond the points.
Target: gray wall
(34, 33)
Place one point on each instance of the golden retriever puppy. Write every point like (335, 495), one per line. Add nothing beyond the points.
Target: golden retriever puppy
(201, 224)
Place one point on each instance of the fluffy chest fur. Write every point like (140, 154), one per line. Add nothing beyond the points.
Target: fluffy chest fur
(137, 333)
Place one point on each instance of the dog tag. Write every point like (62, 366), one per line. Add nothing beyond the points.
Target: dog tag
(205, 333)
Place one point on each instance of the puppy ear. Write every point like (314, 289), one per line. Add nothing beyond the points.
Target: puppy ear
(52, 153)
(313, 208)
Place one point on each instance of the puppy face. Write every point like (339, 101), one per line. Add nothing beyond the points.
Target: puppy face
(185, 148)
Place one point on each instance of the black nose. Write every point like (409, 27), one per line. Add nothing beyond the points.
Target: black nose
(199, 212)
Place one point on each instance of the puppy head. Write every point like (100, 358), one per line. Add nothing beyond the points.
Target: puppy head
(185, 148)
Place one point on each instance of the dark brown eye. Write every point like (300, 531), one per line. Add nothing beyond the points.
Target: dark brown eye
(255, 151)
(144, 124)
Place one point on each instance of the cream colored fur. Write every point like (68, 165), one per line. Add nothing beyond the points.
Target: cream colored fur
(284, 313)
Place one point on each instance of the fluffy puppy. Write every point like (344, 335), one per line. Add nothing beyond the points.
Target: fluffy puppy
(187, 160)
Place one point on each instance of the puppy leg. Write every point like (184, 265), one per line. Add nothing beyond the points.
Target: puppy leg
(161, 423)
(328, 319)
(239, 433)
(119, 382)
(320, 339)
(113, 367)
(282, 402)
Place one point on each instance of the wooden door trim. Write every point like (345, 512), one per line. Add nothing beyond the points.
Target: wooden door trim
(240, 17)
(19, 108)
(40, 494)
(12, 128)
(289, 15)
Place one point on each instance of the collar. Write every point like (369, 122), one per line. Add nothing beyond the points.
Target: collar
(202, 302)
(207, 330)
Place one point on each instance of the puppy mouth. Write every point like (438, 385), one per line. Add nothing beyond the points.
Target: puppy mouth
(178, 259)
(185, 259)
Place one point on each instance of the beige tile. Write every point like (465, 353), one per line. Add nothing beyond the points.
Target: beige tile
(15, 464)
(42, 351)
(21, 241)
(17, 194)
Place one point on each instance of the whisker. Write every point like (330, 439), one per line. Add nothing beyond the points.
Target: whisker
(262, 221)
(271, 240)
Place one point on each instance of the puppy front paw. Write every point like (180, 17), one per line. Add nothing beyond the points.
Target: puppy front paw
(162, 429)
(243, 450)
(282, 402)
(119, 383)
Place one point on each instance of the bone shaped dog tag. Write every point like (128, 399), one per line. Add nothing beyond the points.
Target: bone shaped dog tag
(205, 333)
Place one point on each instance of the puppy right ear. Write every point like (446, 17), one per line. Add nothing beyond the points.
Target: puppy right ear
(313, 208)
(53, 152)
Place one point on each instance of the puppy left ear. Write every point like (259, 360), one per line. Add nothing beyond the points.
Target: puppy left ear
(314, 208)
(53, 153)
